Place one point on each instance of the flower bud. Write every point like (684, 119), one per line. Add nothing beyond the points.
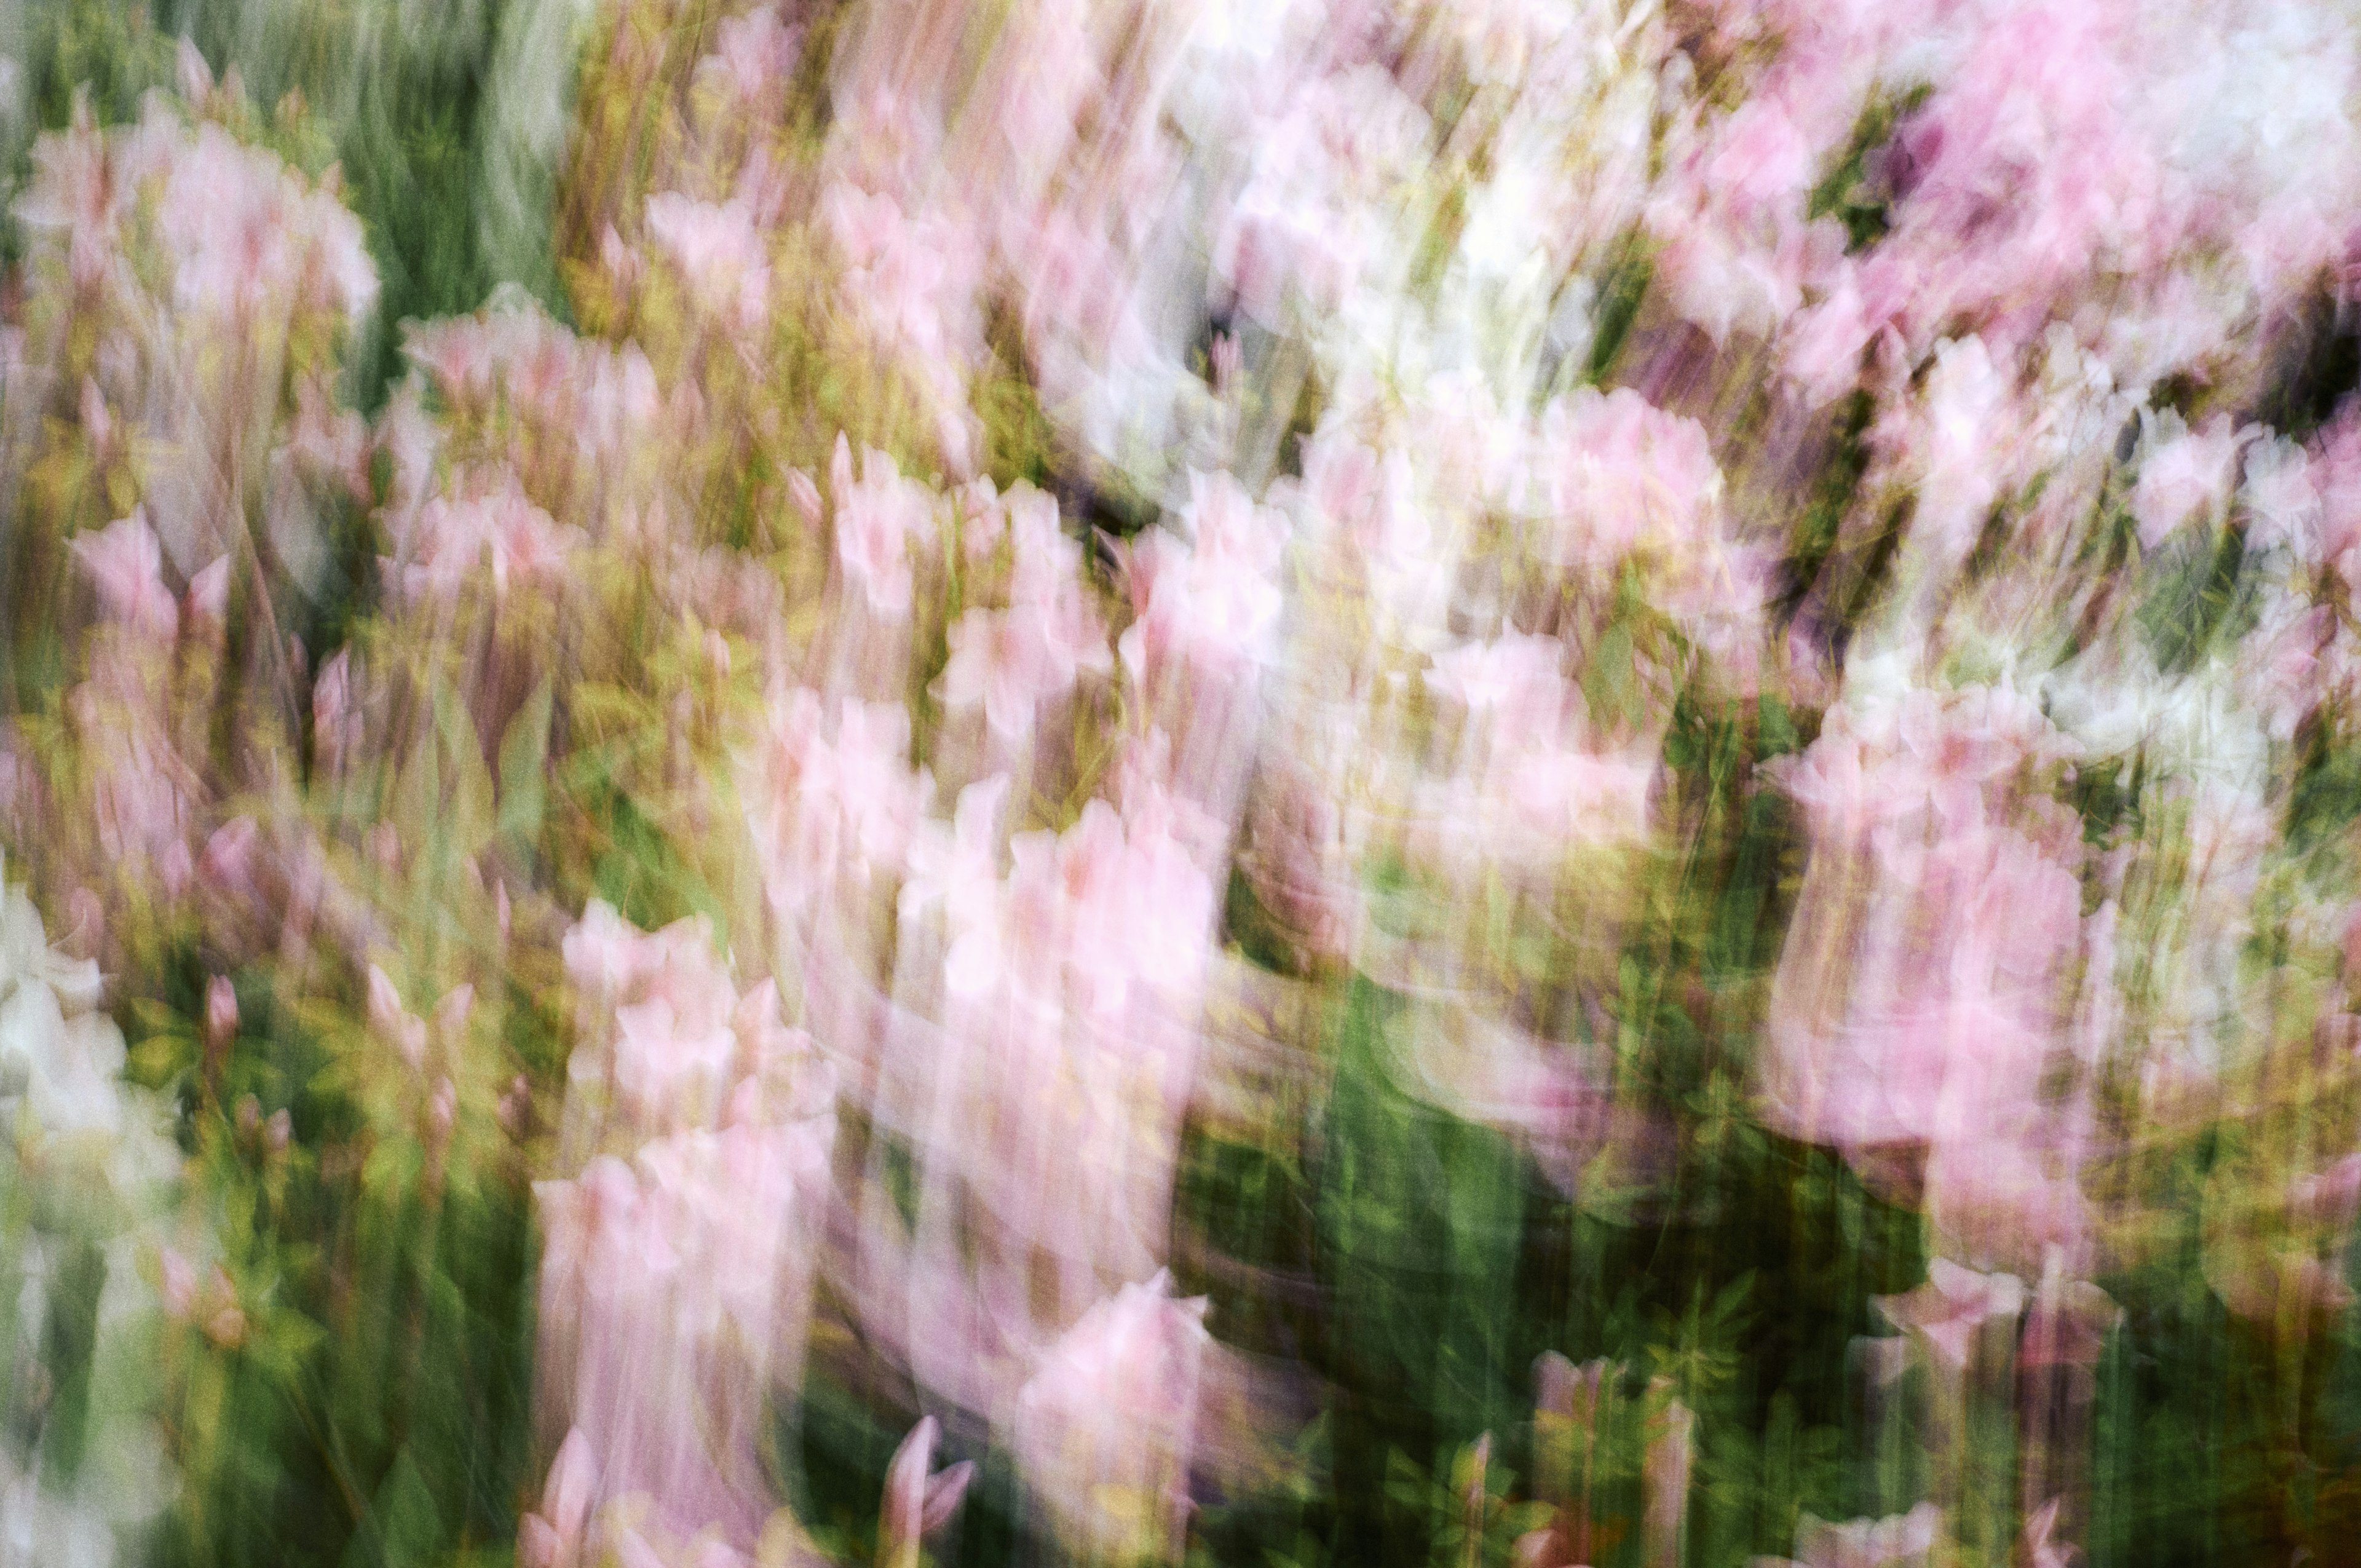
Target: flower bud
(221, 1015)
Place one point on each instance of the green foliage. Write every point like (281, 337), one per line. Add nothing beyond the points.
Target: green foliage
(1846, 191)
(1628, 274)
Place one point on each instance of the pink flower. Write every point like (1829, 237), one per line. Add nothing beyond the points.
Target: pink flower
(394, 1022)
(97, 425)
(144, 798)
(719, 251)
(1213, 609)
(755, 54)
(673, 1290)
(1961, 447)
(221, 1013)
(2282, 498)
(1824, 343)
(1918, 995)
(246, 231)
(671, 1070)
(1951, 1307)
(209, 593)
(178, 1286)
(1896, 1541)
(1230, 530)
(877, 518)
(2038, 1550)
(86, 183)
(617, 968)
(553, 1537)
(1000, 660)
(917, 1504)
(126, 562)
(1515, 683)
(1571, 796)
(336, 727)
(1621, 474)
(1735, 245)
(230, 861)
(502, 530)
(958, 868)
(833, 818)
(872, 784)
(2068, 1324)
(1104, 1428)
(2181, 474)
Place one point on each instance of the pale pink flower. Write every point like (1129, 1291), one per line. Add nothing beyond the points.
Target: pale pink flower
(97, 425)
(209, 593)
(1366, 496)
(394, 1022)
(873, 785)
(2039, 1551)
(2182, 473)
(613, 963)
(878, 516)
(1575, 796)
(1619, 475)
(2067, 1324)
(86, 183)
(503, 531)
(1899, 1540)
(1918, 995)
(917, 1504)
(221, 1013)
(674, 1291)
(336, 724)
(670, 1070)
(144, 798)
(960, 870)
(246, 231)
(1951, 1307)
(755, 54)
(1516, 683)
(1206, 617)
(1960, 447)
(2281, 498)
(1106, 1427)
(1823, 342)
(553, 1537)
(1001, 660)
(719, 252)
(126, 562)
(1735, 245)
(177, 1284)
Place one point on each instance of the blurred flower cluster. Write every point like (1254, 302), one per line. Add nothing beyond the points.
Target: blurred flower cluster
(1551, 783)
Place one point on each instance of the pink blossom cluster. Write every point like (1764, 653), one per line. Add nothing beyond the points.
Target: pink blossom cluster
(1041, 497)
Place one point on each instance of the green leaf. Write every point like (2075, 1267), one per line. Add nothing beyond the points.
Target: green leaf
(524, 757)
(402, 1526)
